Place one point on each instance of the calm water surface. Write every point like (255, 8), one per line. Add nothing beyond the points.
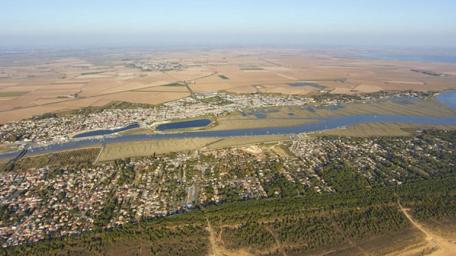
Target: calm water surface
(448, 98)
(184, 124)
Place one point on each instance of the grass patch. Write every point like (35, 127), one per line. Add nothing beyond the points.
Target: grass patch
(174, 85)
(71, 157)
(12, 94)
(92, 73)
(216, 100)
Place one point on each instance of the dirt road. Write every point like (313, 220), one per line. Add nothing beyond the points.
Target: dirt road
(440, 245)
(216, 248)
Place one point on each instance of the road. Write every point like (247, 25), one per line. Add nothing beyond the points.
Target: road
(216, 247)
(440, 245)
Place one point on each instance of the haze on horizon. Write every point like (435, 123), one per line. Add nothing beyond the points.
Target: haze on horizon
(116, 23)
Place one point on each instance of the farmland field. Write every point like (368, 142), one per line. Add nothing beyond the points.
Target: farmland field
(71, 83)
(305, 153)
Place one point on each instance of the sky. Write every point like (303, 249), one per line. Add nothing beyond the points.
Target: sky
(112, 23)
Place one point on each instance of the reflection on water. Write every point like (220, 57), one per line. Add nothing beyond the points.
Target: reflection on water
(184, 124)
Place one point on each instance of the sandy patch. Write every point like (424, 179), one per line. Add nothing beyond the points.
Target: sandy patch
(440, 246)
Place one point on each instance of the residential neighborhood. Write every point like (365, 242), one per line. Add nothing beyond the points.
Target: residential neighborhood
(55, 201)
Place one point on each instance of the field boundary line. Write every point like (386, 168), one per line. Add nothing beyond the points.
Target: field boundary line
(99, 153)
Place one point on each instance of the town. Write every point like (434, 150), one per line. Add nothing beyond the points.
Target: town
(69, 197)
(52, 128)
(156, 66)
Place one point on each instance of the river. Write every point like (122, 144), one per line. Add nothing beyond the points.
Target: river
(447, 98)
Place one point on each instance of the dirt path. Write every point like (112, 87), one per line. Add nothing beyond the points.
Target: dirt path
(192, 94)
(277, 241)
(100, 152)
(440, 245)
(217, 249)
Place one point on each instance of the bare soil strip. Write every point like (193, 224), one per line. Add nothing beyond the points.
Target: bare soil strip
(216, 248)
(439, 245)
(277, 241)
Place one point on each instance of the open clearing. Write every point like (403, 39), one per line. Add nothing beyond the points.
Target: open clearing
(439, 245)
(162, 146)
(216, 247)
